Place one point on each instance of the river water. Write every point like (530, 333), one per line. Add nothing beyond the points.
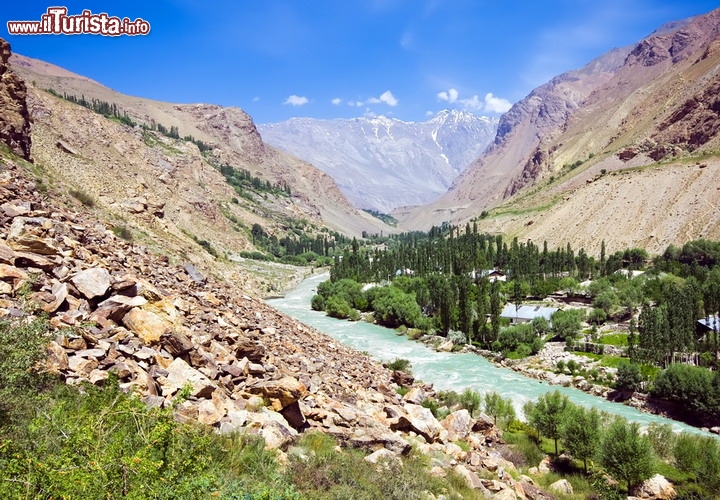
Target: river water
(446, 371)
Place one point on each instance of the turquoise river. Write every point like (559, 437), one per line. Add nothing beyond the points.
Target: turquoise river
(445, 371)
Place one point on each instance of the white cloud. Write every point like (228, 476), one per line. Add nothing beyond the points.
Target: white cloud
(490, 104)
(369, 113)
(388, 98)
(256, 99)
(429, 113)
(295, 100)
(450, 95)
(496, 104)
(472, 103)
(337, 101)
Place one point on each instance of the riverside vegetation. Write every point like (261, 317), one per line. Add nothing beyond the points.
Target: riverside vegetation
(438, 283)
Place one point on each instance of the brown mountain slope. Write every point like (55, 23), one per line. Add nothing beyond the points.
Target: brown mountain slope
(535, 120)
(652, 121)
(233, 136)
(164, 191)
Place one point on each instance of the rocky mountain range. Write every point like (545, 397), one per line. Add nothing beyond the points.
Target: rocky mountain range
(382, 163)
(624, 149)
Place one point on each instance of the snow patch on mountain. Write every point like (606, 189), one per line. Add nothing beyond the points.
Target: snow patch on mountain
(382, 162)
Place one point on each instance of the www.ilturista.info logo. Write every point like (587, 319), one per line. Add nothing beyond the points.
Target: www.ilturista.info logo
(56, 22)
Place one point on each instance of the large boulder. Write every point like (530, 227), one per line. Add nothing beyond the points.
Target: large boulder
(420, 420)
(657, 487)
(275, 430)
(147, 325)
(179, 374)
(458, 424)
(471, 479)
(93, 282)
(281, 393)
(561, 487)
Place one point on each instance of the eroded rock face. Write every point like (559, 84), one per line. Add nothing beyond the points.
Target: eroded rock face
(14, 115)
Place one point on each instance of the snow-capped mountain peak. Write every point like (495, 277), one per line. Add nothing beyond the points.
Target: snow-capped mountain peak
(381, 162)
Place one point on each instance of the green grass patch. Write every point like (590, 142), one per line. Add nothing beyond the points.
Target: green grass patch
(83, 197)
(526, 446)
(617, 339)
(605, 359)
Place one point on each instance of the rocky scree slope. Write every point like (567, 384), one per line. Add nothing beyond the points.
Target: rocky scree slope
(382, 163)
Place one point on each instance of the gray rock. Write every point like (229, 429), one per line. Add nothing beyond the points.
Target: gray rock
(93, 282)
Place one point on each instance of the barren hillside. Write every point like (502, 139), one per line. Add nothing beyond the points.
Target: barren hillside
(168, 194)
(634, 163)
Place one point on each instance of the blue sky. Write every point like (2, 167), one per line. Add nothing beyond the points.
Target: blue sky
(345, 58)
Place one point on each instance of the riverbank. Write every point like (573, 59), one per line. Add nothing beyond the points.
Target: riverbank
(544, 367)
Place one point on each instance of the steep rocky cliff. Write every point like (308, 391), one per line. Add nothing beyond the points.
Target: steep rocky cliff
(14, 116)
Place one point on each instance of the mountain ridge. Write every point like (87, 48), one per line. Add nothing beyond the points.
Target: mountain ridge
(643, 114)
(382, 162)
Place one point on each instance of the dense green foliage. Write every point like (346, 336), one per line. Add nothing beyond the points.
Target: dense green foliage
(695, 388)
(386, 218)
(629, 376)
(242, 180)
(603, 444)
(580, 432)
(548, 414)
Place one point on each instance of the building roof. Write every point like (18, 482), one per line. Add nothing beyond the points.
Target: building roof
(711, 323)
(528, 312)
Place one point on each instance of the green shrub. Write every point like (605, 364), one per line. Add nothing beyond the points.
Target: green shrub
(337, 307)
(400, 365)
(122, 232)
(317, 303)
(83, 197)
(470, 400)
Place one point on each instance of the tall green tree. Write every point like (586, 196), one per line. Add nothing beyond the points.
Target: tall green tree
(581, 432)
(548, 414)
(495, 309)
(626, 454)
(498, 407)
